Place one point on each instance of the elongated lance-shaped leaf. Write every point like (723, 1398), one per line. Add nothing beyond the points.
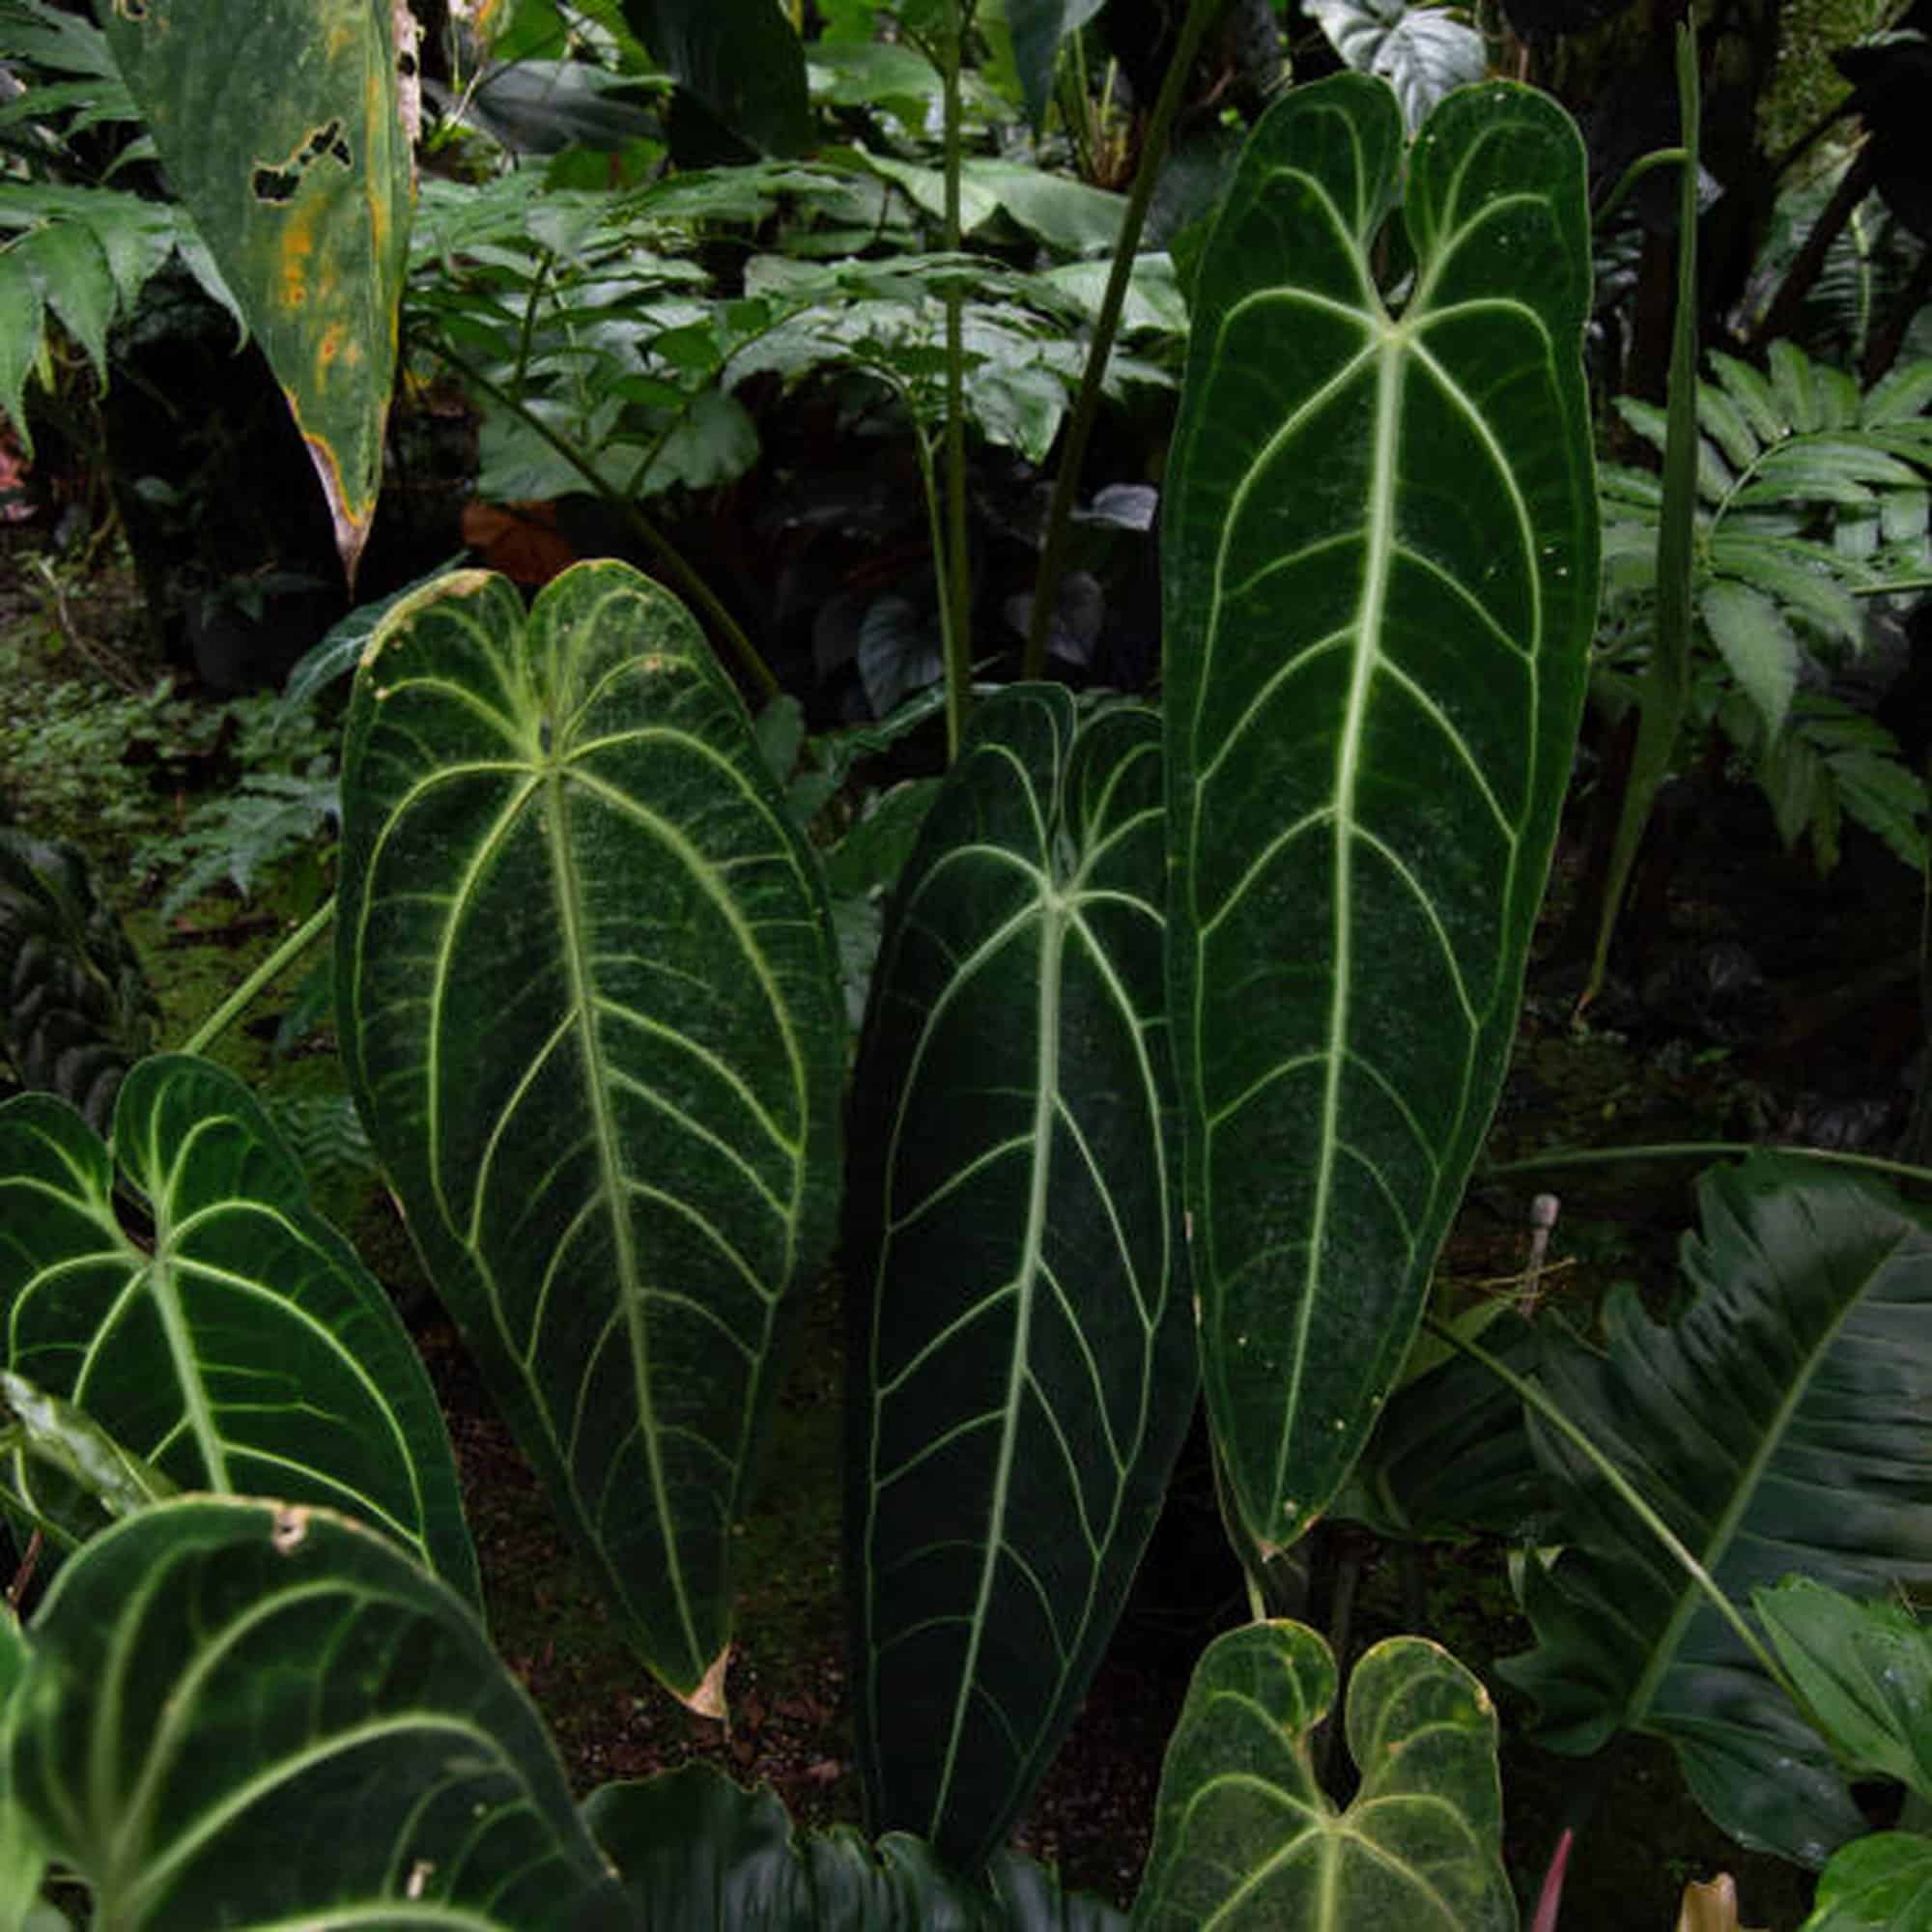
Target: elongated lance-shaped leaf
(1380, 548)
(1017, 1257)
(1783, 1424)
(236, 1343)
(280, 124)
(1245, 1838)
(247, 1712)
(590, 1013)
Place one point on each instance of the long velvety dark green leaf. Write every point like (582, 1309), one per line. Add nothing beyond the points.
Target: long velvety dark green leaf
(251, 1714)
(591, 1017)
(1015, 1255)
(1245, 1838)
(1783, 1424)
(279, 123)
(1380, 548)
(237, 1343)
(693, 1849)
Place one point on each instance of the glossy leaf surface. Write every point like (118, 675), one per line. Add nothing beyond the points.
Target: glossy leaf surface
(1245, 1838)
(279, 125)
(1783, 1423)
(242, 1713)
(1380, 549)
(590, 1014)
(1880, 1883)
(1015, 1249)
(236, 1344)
(1423, 51)
(693, 1849)
(1865, 1669)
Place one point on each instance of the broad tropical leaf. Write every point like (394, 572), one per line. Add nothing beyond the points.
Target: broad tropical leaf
(75, 1007)
(1865, 1669)
(590, 1013)
(279, 123)
(234, 1343)
(1423, 50)
(1039, 28)
(1245, 1838)
(738, 59)
(693, 1849)
(1017, 1258)
(1380, 548)
(1783, 1423)
(244, 1713)
(1450, 1453)
(1880, 1883)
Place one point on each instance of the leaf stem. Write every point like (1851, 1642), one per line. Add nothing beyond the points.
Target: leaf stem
(277, 962)
(669, 559)
(1658, 158)
(1201, 14)
(1666, 692)
(1550, 1414)
(956, 583)
(1869, 1163)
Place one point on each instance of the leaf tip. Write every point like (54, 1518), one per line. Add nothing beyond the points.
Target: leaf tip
(708, 1700)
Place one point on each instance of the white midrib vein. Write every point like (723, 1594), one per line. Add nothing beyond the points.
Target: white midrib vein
(563, 870)
(1054, 914)
(1392, 358)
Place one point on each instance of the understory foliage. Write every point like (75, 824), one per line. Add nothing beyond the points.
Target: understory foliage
(1147, 1050)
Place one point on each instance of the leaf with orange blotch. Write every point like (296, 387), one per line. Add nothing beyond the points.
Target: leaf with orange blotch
(279, 125)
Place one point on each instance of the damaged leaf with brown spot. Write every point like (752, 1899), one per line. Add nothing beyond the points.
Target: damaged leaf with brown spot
(282, 131)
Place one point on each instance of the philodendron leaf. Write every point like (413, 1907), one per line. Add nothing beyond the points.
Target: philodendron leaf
(1880, 1883)
(1245, 1838)
(1783, 1423)
(1015, 1250)
(1380, 547)
(279, 125)
(234, 1341)
(245, 1712)
(1865, 1669)
(693, 1849)
(590, 1013)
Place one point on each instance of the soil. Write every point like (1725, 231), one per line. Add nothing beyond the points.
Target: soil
(1749, 1008)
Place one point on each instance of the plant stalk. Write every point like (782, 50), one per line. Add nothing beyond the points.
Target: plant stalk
(1200, 14)
(277, 963)
(954, 565)
(669, 559)
(1867, 1163)
(1666, 692)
